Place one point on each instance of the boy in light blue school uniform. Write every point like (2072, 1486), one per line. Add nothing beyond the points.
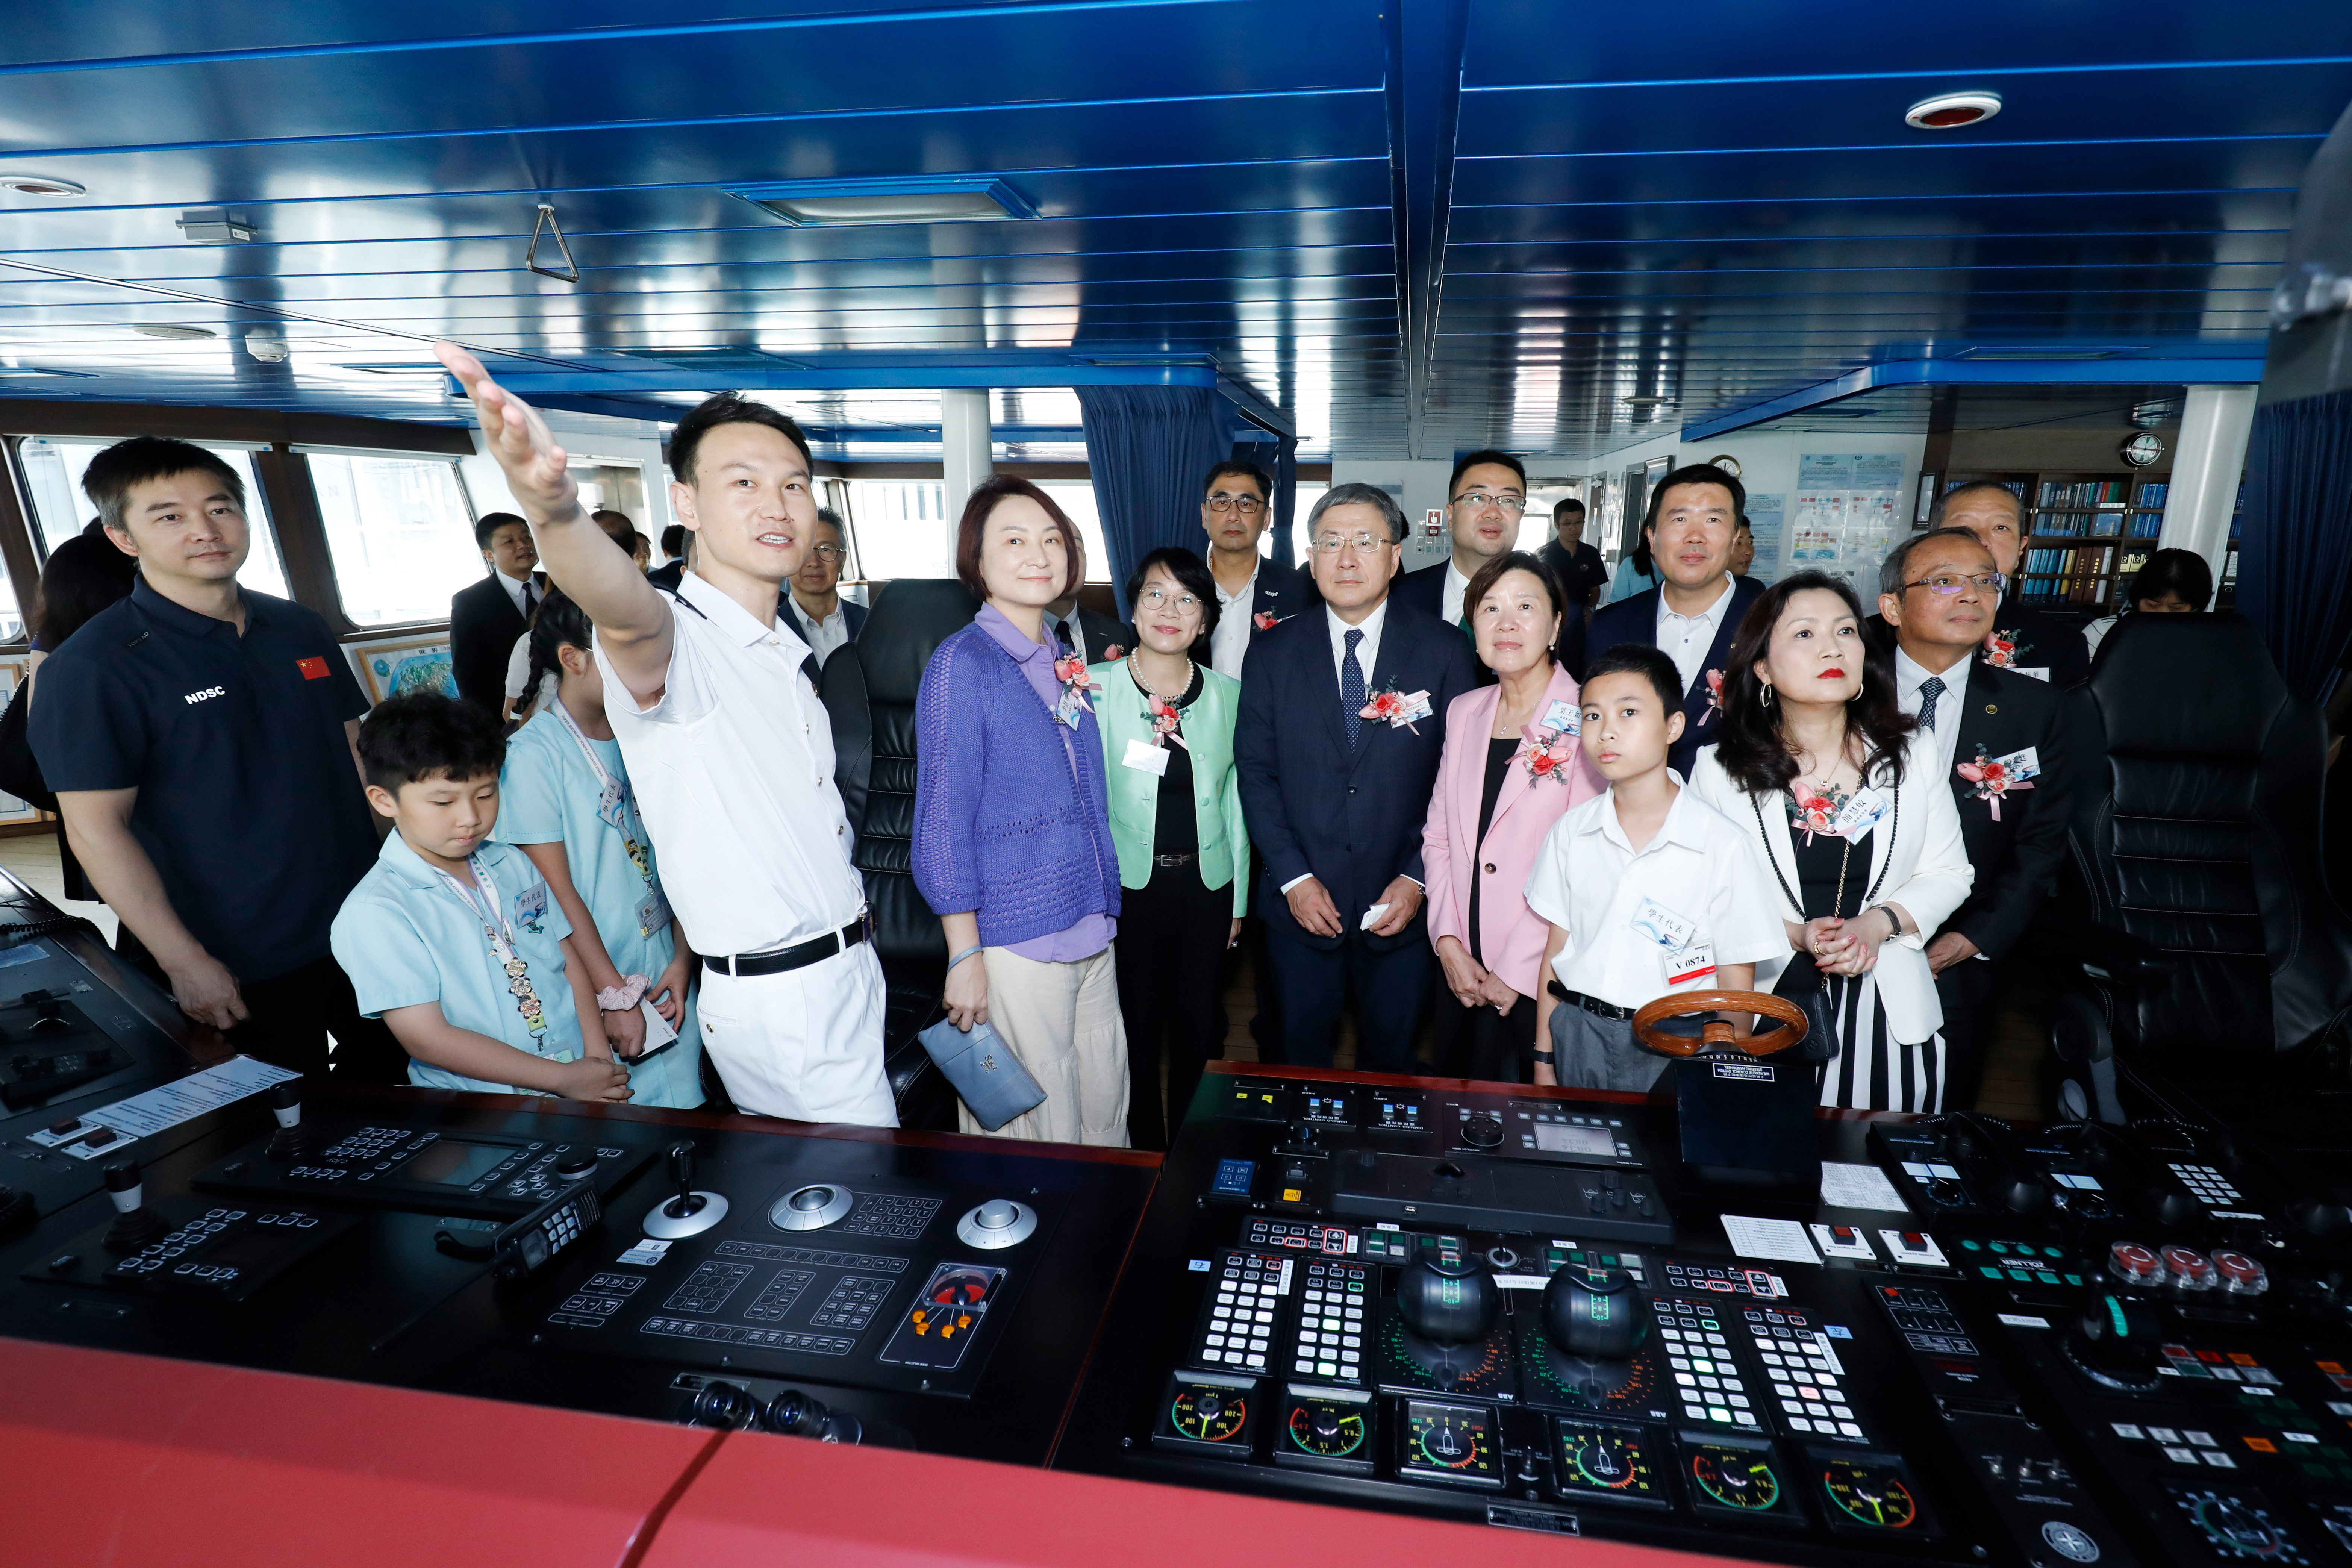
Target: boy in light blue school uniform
(454, 940)
(566, 803)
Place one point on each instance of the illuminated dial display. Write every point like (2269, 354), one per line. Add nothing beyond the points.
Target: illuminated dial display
(1209, 1415)
(1736, 1478)
(1613, 1462)
(1870, 1494)
(2237, 1526)
(1329, 1430)
(1450, 1442)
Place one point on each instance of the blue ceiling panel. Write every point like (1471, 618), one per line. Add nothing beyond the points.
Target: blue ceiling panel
(1415, 226)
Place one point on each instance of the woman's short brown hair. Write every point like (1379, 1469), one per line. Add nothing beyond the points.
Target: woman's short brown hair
(985, 498)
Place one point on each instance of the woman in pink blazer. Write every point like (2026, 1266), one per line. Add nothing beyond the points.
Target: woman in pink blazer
(1511, 766)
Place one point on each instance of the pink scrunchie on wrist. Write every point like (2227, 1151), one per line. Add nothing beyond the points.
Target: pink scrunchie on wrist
(622, 997)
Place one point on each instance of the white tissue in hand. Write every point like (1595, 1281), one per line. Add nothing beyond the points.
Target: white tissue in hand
(1373, 917)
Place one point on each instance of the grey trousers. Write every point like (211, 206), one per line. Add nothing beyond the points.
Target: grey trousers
(1593, 1052)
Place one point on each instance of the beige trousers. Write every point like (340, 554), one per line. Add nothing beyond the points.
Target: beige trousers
(1063, 1021)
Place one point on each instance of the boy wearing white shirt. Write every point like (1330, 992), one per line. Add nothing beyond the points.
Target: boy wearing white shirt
(1649, 890)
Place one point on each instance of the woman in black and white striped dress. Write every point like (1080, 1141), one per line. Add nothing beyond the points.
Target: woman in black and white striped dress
(1820, 761)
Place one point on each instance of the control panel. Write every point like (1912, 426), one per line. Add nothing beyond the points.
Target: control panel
(1986, 1343)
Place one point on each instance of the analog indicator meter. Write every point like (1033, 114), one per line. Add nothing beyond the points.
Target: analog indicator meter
(1597, 1460)
(1736, 1478)
(1209, 1415)
(1870, 1494)
(1452, 1443)
(2237, 1526)
(1326, 1429)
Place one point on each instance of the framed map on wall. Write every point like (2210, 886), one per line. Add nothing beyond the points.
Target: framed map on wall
(418, 662)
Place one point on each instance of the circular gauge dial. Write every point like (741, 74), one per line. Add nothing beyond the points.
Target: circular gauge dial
(1736, 1479)
(1444, 1438)
(1326, 1430)
(1606, 1459)
(1873, 1494)
(2238, 1528)
(1209, 1415)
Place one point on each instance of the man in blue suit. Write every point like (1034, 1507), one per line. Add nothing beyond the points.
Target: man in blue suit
(1484, 500)
(1697, 605)
(1342, 719)
(824, 620)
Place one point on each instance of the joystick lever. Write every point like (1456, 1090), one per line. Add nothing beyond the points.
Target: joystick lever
(285, 1107)
(689, 1212)
(135, 1224)
(681, 1170)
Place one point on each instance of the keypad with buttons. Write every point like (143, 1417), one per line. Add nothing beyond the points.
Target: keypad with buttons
(1337, 1240)
(1808, 1380)
(1239, 1322)
(1707, 1380)
(2209, 1186)
(1332, 1304)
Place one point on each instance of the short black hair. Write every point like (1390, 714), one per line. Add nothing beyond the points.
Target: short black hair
(1566, 503)
(728, 408)
(1244, 469)
(2183, 573)
(111, 474)
(83, 576)
(1191, 574)
(1743, 523)
(1641, 658)
(673, 541)
(1464, 464)
(491, 522)
(1695, 474)
(421, 735)
(1973, 487)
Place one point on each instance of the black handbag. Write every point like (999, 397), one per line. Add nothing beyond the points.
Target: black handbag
(20, 771)
(1820, 1041)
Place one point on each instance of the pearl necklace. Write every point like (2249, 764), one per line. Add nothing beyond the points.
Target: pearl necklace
(1135, 670)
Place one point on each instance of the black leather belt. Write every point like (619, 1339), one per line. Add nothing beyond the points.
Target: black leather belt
(750, 965)
(1592, 1005)
(1175, 860)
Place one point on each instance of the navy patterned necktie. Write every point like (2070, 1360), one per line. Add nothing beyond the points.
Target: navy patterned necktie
(1931, 691)
(1351, 690)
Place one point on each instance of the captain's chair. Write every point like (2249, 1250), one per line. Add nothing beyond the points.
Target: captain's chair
(869, 691)
(2218, 965)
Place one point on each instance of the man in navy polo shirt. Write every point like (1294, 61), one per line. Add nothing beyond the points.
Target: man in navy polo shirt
(202, 741)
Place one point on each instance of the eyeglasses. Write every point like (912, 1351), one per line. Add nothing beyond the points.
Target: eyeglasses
(827, 551)
(1248, 506)
(1161, 599)
(1479, 501)
(1985, 582)
(1332, 543)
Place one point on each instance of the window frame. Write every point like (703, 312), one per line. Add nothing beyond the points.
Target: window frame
(348, 629)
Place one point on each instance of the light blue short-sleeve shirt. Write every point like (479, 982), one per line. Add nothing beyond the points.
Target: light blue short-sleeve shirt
(549, 795)
(405, 937)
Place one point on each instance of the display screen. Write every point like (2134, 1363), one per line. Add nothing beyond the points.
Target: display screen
(1554, 1139)
(454, 1163)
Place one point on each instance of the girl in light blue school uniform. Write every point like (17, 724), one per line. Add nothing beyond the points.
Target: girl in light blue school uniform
(567, 805)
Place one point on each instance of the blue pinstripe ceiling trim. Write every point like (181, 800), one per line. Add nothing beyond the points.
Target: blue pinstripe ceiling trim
(1988, 373)
(1941, 73)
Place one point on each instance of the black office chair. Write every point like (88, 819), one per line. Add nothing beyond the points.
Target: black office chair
(869, 691)
(2217, 964)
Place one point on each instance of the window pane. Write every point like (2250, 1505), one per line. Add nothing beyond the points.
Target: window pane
(902, 528)
(1077, 498)
(52, 470)
(399, 535)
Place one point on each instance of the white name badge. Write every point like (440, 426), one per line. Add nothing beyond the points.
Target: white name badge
(1146, 758)
(1564, 717)
(2021, 766)
(1415, 706)
(1663, 926)
(1859, 814)
(2040, 672)
(1696, 961)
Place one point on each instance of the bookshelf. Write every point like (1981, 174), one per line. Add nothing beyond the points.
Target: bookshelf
(2085, 533)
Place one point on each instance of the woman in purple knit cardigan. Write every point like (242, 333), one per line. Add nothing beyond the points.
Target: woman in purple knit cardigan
(1013, 844)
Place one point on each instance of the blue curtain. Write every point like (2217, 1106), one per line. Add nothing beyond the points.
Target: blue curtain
(2295, 560)
(1150, 447)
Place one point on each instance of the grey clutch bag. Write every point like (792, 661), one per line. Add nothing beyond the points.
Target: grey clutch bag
(986, 1072)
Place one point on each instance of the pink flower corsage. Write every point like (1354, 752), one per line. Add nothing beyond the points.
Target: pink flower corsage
(1813, 811)
(1164, 721)
(2001, 649)
(1077, 689)
(1262, 620)
(1547, 752)
(1714, 695)
(1115, 651)
(1390, 706)
(1992, 781)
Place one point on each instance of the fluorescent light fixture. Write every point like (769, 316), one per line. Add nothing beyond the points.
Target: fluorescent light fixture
(2052, 351)
(210, 226)
(177, 334)
(910, 198)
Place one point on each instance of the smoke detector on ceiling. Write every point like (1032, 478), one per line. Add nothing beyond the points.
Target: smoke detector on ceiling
(1950, 111)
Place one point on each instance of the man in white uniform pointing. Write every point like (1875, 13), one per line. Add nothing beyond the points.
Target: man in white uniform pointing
(728, 748)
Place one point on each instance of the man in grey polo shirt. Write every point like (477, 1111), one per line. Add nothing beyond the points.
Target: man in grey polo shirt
(728, 750)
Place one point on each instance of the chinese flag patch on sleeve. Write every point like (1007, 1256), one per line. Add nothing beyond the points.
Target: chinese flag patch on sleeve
(313, 668)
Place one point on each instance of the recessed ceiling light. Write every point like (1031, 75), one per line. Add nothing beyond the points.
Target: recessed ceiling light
(1645, 402)
(42, 185)
(1950, 111)
(210, 226)
(177, 334)
(915, 198)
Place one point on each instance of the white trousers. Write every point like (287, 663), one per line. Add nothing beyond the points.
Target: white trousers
(1063, 1021)
(807, 1044)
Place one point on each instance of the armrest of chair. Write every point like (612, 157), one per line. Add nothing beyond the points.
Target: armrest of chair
(2110, 949)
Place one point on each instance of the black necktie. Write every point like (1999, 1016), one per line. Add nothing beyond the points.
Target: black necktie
(1062, 635)
(1931, 691)
(1351, 690)
(530, 597)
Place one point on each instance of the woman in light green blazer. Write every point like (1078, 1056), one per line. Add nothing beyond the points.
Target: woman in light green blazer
(1166, 724)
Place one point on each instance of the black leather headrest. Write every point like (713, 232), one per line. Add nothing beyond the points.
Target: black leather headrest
(910, 617)
(2198, 685)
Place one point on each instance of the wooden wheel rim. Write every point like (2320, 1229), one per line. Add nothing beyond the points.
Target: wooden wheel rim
(1791, 1018)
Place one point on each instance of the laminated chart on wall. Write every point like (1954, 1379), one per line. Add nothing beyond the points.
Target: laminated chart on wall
(1767, 520)
(1845, 519)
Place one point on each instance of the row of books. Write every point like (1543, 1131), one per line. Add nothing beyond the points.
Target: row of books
(2083, 560)
(2088, 492)
(2099, 524)
(2066, 590)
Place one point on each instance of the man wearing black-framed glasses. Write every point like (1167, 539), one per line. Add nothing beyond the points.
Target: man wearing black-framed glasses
(824, 619)
(2001, 743)
(1253, 592)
